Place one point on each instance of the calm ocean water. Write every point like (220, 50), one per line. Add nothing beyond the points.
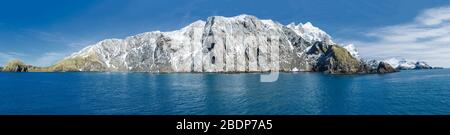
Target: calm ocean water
(406, 92)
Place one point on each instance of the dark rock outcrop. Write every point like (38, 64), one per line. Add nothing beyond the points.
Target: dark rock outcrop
(378, 67)
(422, 65)
(385, 68)
(337, 60)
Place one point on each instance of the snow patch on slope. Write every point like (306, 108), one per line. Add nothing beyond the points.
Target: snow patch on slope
(310, 33)
(352, 50)
(406, 64)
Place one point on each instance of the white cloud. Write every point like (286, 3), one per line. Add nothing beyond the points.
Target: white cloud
(17, 54)
(58, 38)
(7, 56)
(48, 59)
(425, 38)
(4, 57)
(80, 44)
(45, 59)
(434, 16)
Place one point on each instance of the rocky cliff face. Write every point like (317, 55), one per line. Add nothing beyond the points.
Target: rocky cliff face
(220, 44)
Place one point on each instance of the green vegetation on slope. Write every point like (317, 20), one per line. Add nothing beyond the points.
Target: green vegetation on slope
(16, 66)
(75, 64)
(67, 65)
(345, 60)
(337, 60)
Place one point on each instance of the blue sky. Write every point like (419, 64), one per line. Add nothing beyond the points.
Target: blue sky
(42, 32)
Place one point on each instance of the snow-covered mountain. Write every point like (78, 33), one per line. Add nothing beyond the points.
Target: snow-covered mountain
(242, 43)
(404, 64)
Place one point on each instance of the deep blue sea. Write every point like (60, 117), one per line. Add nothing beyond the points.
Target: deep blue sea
(405, 92)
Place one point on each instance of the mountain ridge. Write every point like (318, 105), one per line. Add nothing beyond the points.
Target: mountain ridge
(241, 43)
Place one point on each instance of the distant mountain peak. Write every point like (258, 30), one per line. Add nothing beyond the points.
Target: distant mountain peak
(405, 64)
(310, 32)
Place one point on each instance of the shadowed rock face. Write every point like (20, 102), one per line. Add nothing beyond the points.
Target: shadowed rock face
(422, 65)
(375, 66)
(385, 68)
(236, 44)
